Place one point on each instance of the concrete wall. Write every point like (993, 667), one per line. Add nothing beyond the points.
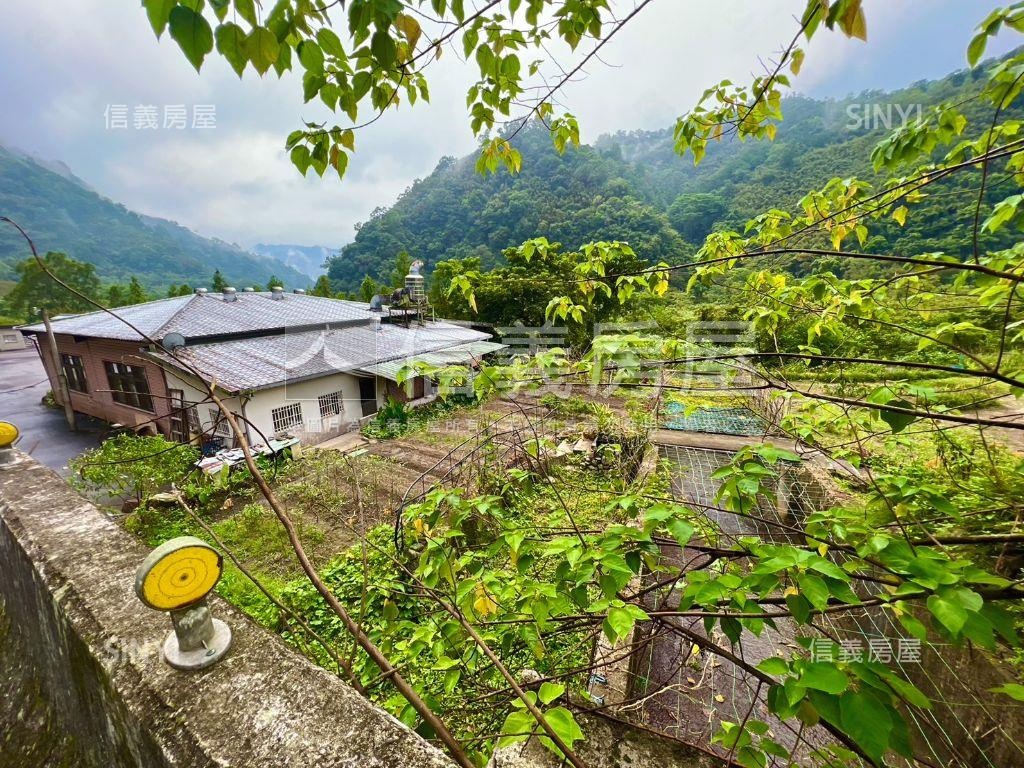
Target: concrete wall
(82, 684)
(11, 338)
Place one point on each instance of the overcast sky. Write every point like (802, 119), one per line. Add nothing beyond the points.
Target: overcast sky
(62, 63)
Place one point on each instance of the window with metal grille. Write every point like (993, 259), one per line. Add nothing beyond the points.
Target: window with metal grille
(287, 416)
(330, 404)
(219, 423)
(74, 372)
(128, 385)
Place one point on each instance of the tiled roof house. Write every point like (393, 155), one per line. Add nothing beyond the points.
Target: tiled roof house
(288, 363)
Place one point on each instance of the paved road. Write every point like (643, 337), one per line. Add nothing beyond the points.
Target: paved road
(44, 433)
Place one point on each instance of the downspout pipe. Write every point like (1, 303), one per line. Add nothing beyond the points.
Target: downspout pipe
(243, 399)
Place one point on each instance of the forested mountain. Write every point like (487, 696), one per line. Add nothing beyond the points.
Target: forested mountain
(62, 213)
(633, 187)
(456, 213)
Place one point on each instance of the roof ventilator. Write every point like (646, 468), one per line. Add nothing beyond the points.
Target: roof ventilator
(276, 292)
(229, 294)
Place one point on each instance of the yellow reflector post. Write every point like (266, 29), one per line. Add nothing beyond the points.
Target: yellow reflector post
(178, 573)
(8, 434)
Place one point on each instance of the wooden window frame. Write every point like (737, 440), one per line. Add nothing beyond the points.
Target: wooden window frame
(129, 385)
(73, 368)
(178, 417)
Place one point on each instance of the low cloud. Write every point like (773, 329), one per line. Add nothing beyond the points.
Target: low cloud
(64, 63)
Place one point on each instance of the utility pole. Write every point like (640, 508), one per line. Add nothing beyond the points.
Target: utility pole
(62, 379)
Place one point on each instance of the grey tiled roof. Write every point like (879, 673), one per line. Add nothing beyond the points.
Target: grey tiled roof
(210, 315)
(457, 355)
(148, 318)
(201, 315)
(275, 359)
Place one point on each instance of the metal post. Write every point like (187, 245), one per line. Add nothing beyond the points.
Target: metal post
(62, 379)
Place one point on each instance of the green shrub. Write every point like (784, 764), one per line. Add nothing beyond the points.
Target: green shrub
(127, 465)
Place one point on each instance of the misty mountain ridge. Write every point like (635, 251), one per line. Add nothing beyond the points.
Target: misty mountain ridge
(63, 213)
(308, 259)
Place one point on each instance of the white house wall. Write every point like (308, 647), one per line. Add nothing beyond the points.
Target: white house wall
(259, 405)
(258, 409)
(204, 407)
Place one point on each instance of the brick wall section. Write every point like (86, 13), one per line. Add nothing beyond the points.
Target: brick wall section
(98, 401)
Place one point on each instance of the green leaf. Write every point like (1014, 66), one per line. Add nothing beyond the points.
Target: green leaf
(284, 60)
(451, 679)
(868, 721)
(564, 724)
(814, 589)
(301, 158)
(469, 41)
(950, 614)
(618, 623)
(312, 82)
(897, 421)
(339, 160)
(799, 607)
(311, 56)
(681, 531)
(220, 8)
(262, 48)
(383, 48)
(247, 10)
(518, 726)
(908, 691)
(231, 45)
(773, 665)
(1013, 690)
(330, 43)
(159, 13)
(549, 692)
(914, 626)
(977, 47)
(796, 61)
(192, 33)
(824, 676)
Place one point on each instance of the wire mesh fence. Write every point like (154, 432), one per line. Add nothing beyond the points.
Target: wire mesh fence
(685, 693)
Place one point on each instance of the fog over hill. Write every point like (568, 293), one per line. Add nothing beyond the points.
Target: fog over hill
(308, 259)
(62, 213)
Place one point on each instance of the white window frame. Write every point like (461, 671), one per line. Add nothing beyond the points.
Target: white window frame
(286, 417)
(333, 403)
